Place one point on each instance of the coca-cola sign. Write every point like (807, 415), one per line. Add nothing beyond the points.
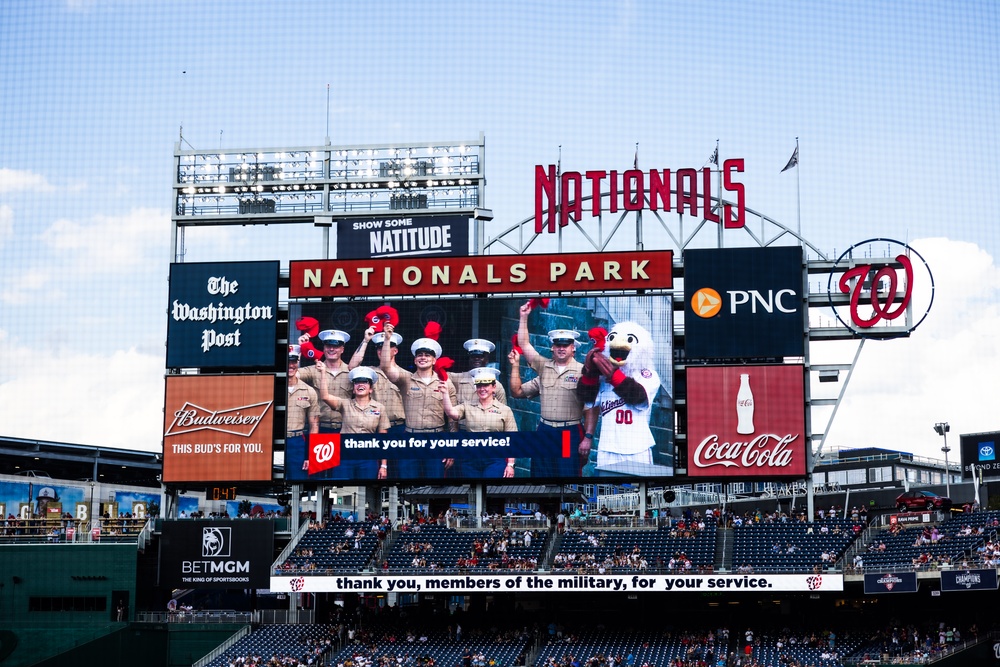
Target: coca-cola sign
(746, 421)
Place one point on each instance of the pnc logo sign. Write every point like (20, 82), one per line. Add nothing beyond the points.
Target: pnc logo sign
(744, 302)
(706, 302)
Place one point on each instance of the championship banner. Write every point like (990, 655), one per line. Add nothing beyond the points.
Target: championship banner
(969, 580)
(218, 428)
(222, 314)
(492, 274)
(216, 554)
(890, 582)
(412, 236)
(476, 582)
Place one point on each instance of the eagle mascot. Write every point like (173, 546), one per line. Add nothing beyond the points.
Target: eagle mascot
(621, 382)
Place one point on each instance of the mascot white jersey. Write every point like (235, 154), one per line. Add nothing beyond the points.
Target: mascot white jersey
(622, 385)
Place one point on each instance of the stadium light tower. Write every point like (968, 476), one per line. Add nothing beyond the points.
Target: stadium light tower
(942, 428)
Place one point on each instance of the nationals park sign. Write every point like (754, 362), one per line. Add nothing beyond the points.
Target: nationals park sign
(557, 583)
(489, 275)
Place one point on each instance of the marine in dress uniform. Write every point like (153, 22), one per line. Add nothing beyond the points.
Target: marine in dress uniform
(301, 413)
(556, 387)
(422, 400)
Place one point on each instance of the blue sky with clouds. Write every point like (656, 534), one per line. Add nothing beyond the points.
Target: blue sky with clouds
(894, 104)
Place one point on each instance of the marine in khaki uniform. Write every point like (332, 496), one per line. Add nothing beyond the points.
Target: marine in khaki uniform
(479, 350)
(483, 415)
(339, 383)
(556, 387)
(422, 400)
(385, 392)
(301, 412)
(359, 414)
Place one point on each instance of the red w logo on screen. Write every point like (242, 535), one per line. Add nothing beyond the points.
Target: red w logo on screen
(324, 451)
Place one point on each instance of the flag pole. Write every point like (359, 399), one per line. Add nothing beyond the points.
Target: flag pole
(559, 201)
(722, 209)
(798, 193)
(639, 244)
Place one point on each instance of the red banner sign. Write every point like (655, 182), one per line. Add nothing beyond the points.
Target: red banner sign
(491, 274)
(746, 421)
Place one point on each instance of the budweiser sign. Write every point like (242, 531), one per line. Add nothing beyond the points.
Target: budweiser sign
(218, 428)
(242, 420)
(746, 421)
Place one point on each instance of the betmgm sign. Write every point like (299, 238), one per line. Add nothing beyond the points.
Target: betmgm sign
(216, 554)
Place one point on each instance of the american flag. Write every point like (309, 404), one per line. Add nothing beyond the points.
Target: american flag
(792, 161)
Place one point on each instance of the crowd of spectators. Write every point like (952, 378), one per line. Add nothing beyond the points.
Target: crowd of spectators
(505, 547)
(310, 650)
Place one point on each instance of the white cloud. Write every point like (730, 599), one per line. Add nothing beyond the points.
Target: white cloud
(111, 244)
(29, 286)
(114, 400)
(6, 223)
(18, 180)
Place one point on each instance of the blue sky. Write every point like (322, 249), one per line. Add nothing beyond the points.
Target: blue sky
(894, 104)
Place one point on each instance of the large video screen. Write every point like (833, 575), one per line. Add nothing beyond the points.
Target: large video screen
(532, 423)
